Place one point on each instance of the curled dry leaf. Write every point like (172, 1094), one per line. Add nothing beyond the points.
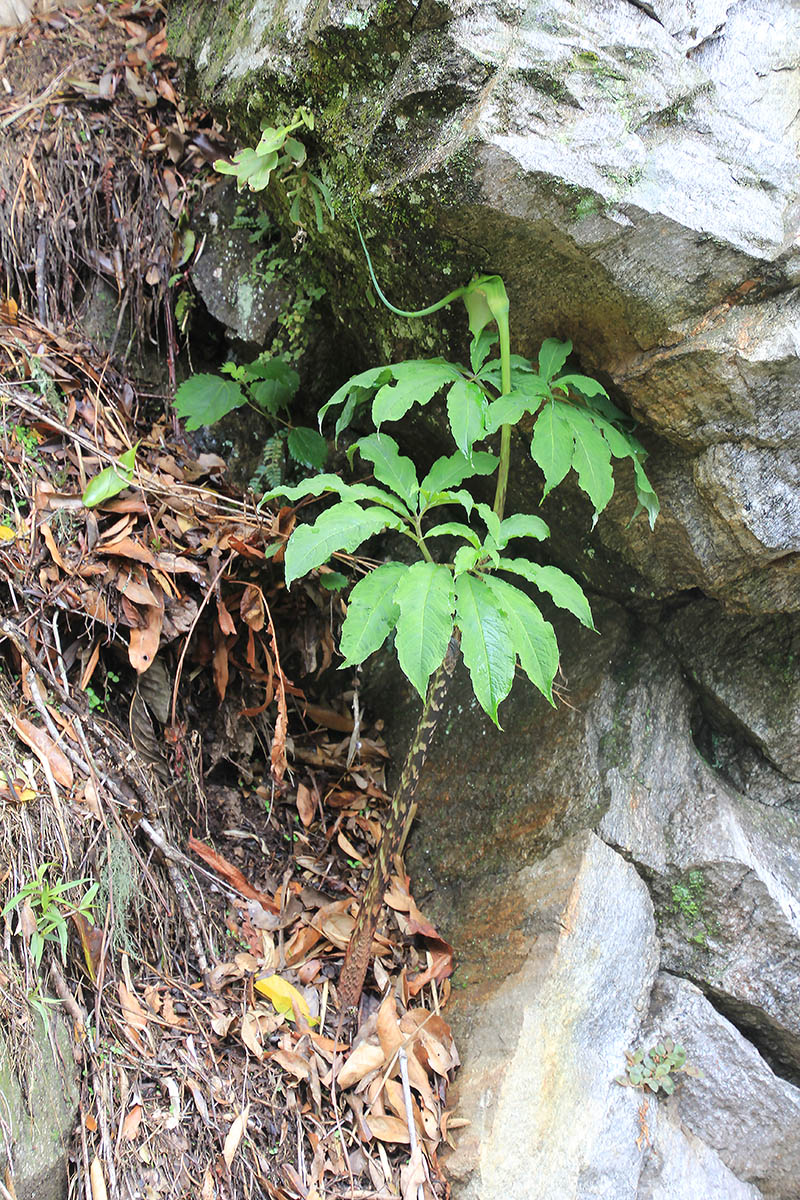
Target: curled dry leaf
(234, 1136)
(132, 1010)
(368, 1056)
(306, 805)
(388, 1129)
(144, 641)
(45, 750)
(251, 607)
(292, 1062)
(133, 1119)
(258, 1023)
(97, 1180)
(389, 1034)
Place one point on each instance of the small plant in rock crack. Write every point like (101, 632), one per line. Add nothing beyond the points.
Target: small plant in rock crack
(268, 385)
(435, 607)
(653, 1069)
(282, 158)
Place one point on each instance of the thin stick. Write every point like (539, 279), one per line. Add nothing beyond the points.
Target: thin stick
(402, 1058)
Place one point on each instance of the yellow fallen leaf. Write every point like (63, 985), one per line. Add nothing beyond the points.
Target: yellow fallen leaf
(7, 534)
(281, 993)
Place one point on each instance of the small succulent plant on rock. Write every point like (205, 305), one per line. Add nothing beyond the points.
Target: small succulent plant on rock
(654, 1068)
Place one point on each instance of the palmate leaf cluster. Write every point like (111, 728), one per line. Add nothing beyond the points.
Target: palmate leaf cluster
(577, 426)
(422, 603)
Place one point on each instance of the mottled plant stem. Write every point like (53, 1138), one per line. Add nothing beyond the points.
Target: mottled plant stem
(356, 962)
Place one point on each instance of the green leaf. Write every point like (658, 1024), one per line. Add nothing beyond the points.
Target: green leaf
(481, 347)
(620, 444)
(465, 559)
(450, 472)
(580, 383)
(509, 408)
(521, 368)
(466, 405)
(389, 466)
(357, 397)
(485, 642)
(552, 357)
(372, 378)
(272, 139)
(425, 598)
(455, 529)
(533, 638)
(490, 520)
(645, 494)
(111, 481)
(206, 399)
(591, 460)
(306, 446)
(343, 527)
(317, 484)
(371, 613)
(553, 444)
(462, 497)
(565, 591)
(414, 382)
(276, 387)
(521, 525)
(333, 581)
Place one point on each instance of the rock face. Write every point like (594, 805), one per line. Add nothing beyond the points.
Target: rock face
(631, 169)
(38, 1119)
(632, 172)
(682, 869)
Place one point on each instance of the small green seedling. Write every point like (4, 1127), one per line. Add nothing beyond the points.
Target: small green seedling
(653, 1069)
(50, 908)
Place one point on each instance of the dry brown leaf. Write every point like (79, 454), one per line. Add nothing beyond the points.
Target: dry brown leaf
(299, 944)
(388, 1129)
(306, 804)
(132, 1121)
(226, 623)
(91, 943)
(131, 1008)
(222, 1023)
(413, 1175)
(368, 1056)
(126, 547)
(26, 922)
(220, 664)
(251, 607)
(234, 1136)
(391, 1038)
(345, 844)
(258, 1023)
(132, 584)
(143, 645)
(292, 1062)
(97, 1180)
(50, 542)
(45, 750)
(230, 873)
